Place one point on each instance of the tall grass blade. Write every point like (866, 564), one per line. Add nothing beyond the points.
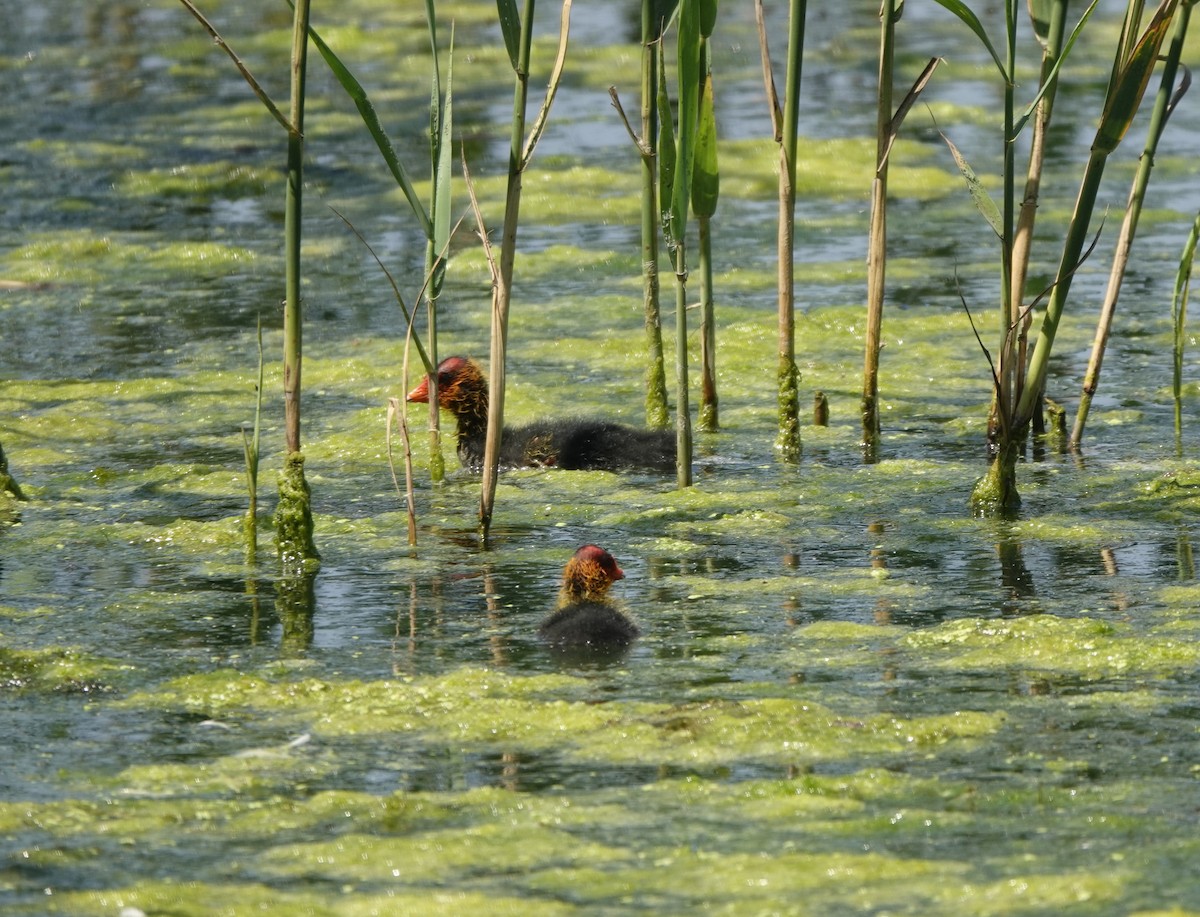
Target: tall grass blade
(1126, 97)
(967, 15)
(768, 74)
(1179, 302)
(251, 450)
(706, 177)
(560, 59)
(431, 24)
(979, 194)
(706, 188)
(370, 118)
(910, 99)
(666, 150)
(510, 28)
(688, 72)
(442, 157)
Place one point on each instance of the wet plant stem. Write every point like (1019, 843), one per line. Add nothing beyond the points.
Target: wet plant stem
(502, 290)
(709, 418)
(1027, 215)
(440, 204)
(676, 176)
(293, 515)
(657, 414)
(877, 241)
(683, 415)
(292, 228)
(785, 119)
(520, 153)
(1010, 301)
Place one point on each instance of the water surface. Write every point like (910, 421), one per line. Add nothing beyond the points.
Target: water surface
(850, 696)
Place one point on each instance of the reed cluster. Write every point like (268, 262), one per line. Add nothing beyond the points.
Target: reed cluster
(677, 143)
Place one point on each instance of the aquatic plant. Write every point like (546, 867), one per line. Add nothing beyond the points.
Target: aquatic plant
(517, 28)
(1015, 236)
(1018, 386)
(1183, 281)
(1164, 104)
(1133, 65)
(706, 186)
(250, 449)
(1049, 26)
(293, 517)
(677, 156)
(653, 15)
(887, 126)
(293, 513)
(784, 121)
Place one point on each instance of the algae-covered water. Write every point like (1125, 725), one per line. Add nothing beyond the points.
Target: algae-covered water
(850, 696)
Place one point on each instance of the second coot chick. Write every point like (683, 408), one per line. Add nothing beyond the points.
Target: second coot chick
(565, 443)
(585, 617)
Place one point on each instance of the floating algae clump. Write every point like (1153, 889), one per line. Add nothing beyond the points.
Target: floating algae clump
(293, 515)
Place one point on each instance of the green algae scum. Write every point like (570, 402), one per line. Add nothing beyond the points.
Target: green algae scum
(850, 696)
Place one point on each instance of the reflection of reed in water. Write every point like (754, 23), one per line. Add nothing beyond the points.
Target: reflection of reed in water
(294, 603)
(1015, 578)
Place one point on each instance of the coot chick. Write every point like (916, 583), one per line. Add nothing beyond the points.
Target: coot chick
(566, 443)
(585, 617)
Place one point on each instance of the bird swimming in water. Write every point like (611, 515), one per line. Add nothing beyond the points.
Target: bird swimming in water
(564, 443)
(585, 616)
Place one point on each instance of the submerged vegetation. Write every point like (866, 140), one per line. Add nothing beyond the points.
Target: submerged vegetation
(848, 693)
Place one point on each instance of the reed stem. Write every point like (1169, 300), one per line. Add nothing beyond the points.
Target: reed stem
(657, 414)
(502, 291)
(788, 379)
(877, 243)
